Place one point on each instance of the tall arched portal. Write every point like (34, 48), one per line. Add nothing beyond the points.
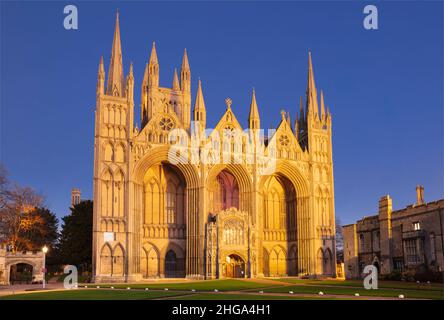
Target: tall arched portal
(164, 221)
(224, 192)
(279, 210)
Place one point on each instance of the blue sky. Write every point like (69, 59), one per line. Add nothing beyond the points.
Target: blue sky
(384, 87)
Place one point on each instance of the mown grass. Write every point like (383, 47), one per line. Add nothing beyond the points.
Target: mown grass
(346, 290)
(236, 297)
(92, 294)
(208, 285)
(205, 290)
(359, 284)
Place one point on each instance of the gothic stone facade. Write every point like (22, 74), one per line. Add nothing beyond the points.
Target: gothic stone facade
(155, 218)
(410, 238)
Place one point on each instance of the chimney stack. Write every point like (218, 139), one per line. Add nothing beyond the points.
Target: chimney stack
(419, 195)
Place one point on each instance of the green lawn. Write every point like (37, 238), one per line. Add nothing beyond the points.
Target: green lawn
(359, 284)
(205, 290)
(208, 285)
(92, 294)
(235, 297)
(347, 290)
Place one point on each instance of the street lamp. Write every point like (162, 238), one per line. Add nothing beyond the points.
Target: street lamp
(44, 250)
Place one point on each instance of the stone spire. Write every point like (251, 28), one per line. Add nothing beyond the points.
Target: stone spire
(296, 126)
(130, 83)
(185, 73)
(153, 68)
(176, 85)
(200, 113)
(115, 73)
(145, 76)
(312, 100)
(253, 119)
(101, 78)
(322, 106)
(301, 111)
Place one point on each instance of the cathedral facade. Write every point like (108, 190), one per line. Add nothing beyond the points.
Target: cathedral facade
(162, 212)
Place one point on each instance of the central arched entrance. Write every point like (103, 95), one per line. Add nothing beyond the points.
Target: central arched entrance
(21, 273)
(234, 266)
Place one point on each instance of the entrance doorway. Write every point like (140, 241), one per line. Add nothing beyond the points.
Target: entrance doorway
(21, 273)
(234, 267)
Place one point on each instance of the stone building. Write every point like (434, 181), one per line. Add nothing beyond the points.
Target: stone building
(407, 239)
(160, 213)
(12, 263)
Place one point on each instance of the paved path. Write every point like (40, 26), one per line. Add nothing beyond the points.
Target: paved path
(28, 288)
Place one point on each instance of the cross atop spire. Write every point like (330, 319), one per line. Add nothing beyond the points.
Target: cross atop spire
(228, 102)
(115, 74)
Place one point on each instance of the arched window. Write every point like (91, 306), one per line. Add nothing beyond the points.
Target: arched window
(171, 203)
(432, 247)
(170, 264)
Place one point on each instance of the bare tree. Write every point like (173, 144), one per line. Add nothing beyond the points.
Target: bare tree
(3, 187)
(16, 208)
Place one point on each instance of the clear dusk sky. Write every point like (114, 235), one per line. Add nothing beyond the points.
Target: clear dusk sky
(384, 87)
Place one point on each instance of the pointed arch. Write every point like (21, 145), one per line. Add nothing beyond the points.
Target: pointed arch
(118, 193)
(106, 260)
(108, 152)
(328, 262)
(320, 261)
(106, 199)
(150, 261)
(119, 155)
(118, 261)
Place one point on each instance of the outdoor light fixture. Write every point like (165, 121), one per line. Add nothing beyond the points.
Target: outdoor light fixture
(44, 250)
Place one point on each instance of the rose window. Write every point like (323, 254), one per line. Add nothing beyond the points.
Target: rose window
(284, 141)
(166, 124)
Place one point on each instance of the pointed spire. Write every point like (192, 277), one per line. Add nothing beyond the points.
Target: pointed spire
(115, 73)
(296, 125)
(153, 56)
(176, 85)
(131, 70)
(153, 68)
(322, 106)
(101, 77)
(185, 63)
(200, 113)
(185, 73)
(145, 76)
(301, 110)
(130, 83)
(254, 119)
(101, 67)
(200, 103)
(312, 101)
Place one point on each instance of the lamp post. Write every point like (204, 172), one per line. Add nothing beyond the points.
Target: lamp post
(44, 250)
